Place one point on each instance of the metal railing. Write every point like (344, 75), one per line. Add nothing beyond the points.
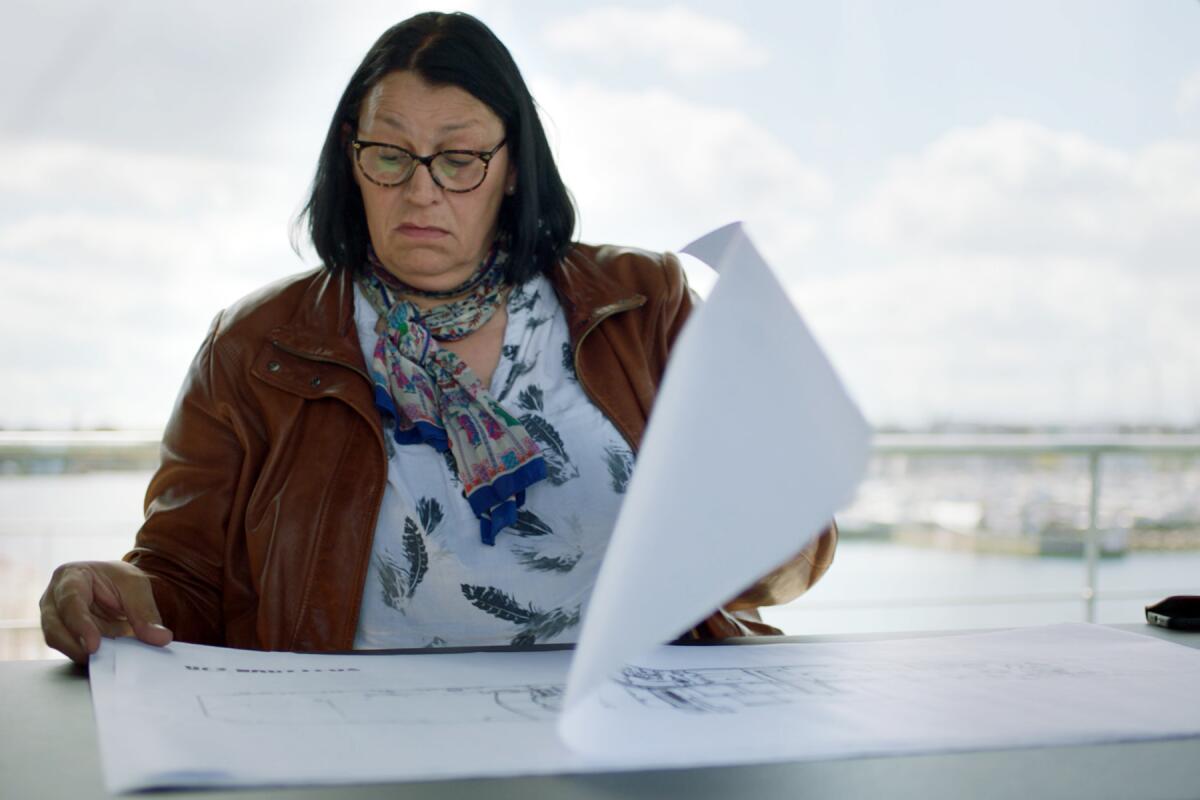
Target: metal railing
(1093, 448)
(139, 449)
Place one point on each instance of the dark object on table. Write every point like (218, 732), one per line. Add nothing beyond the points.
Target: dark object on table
(1180, 612)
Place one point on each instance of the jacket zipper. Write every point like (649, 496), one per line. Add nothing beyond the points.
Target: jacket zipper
(599, 316)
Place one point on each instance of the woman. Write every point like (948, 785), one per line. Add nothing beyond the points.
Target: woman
(425, 441)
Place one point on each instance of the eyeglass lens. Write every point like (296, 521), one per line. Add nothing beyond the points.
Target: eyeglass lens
(391, 165)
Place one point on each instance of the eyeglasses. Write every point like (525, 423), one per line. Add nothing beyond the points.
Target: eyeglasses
(453, 170)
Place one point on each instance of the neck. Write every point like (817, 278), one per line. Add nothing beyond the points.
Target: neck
(428, 298)
(426, 303)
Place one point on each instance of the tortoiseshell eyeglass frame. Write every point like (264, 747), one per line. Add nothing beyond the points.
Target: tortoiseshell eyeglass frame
(483, 155)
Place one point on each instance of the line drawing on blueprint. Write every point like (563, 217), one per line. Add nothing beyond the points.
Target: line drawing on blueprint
(728, 690)
(700, 690)
(720, 690)
(439, 705)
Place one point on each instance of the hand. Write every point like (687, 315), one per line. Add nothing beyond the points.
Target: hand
(89, 599)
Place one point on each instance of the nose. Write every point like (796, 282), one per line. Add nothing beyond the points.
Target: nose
(421, 188)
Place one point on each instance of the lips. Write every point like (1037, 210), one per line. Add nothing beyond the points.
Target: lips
(421, 231)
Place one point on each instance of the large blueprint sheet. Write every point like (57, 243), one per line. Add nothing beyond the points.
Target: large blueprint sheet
(200, 716)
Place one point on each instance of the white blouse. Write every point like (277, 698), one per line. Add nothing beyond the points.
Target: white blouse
(432, 582)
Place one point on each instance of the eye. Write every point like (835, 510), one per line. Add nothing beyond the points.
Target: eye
(390, 160)
(391, 157)
(457, 160)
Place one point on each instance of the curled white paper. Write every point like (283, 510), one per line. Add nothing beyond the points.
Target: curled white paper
(753, 445)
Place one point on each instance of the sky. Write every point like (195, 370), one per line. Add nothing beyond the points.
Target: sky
(987, 212)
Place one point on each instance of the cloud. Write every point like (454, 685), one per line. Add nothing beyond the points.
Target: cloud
(115, 262)
(1187, 101)
(1015, 187)
(687, 43)
(181, 77)
(1015, 273)
(651, 168)
(1006, 341)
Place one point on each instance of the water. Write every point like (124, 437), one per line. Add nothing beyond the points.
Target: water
(46, 520)
(881, 586)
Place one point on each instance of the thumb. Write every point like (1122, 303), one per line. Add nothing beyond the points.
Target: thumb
(136, 598)
(154, 633)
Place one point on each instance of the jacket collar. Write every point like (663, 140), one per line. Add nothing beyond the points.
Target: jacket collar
(587, 292)
(323, 325)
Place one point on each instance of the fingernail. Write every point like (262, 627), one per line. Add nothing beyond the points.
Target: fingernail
(83, 644)
(158, 627)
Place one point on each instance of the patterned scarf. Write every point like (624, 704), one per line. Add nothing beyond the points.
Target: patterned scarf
(427, 394)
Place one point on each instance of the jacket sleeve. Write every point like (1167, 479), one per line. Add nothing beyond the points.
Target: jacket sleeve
(739, 616)
(181, 542)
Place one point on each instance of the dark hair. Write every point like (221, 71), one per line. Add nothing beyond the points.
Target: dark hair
(447, 50)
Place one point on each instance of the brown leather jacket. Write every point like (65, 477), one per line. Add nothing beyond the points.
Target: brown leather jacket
(259, 520)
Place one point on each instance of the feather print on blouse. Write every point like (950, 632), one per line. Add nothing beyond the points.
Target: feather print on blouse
(530, 524)
(534, 623)
(398, 583)
(448, 457)
(568, 361)
(521, 300)
(536, 322)
(537, 560)
(620, 467)
(559, 468)
(389, 580)
(553, 552)
(429, 511)
(417, 555)
(519, 369)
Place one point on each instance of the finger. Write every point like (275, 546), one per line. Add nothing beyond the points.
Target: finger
(72, 599)
(132, 595)
(154, 633)
(58, 637)
(111, 629)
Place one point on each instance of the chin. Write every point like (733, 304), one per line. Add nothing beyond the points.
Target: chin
(423, 257)
(423, 265)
